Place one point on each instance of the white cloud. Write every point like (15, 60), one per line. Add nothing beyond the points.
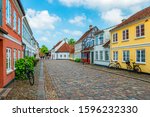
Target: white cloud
(44, 39)
(50, 1)
(74, 33)
(113, 16)
(42, 20)
(78, 20)
(102, 4)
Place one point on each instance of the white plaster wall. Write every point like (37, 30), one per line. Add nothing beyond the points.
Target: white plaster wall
(78, 49)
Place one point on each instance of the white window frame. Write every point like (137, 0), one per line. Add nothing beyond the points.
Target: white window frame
(125, 55)
(124, 34)
(115, 55)
(19, 31)
(8, 60)
(140, 31)
(15, 57)
(101, 54)
(8, 12)
(115, 38)
(96, 55)
(15, 20)
(141, 56)
(105, 55)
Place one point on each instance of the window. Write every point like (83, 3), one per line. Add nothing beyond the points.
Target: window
(64, 56)
(96, 55)
(101, 55)
(19, 25)
(8, 12)
(106, 56)
(140, 56)
(96, 40)
(15, 56)
(140, 31)
(60, 56)
(126, 56)
(8, 59)
(125, 34)
(101, 39)
(18, 55)
(115, 55)
(115, 37)
(15, 20)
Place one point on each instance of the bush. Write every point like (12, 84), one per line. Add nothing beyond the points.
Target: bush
(20, 67)
(77, 60)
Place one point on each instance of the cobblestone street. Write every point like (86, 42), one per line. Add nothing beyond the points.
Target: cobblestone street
(76, 81)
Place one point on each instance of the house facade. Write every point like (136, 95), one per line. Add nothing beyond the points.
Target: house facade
(11, 49)
(78, 49)
(130, 41)
(28, 40)
(87, 52)
(61, 51)
(102, 47)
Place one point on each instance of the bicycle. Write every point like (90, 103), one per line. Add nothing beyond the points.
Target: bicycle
(135, 67)
(114, 64)
(29, 73)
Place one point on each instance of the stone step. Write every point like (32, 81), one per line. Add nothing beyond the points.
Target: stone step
(4, 92)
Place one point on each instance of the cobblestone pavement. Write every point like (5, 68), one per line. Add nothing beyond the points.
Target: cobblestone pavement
(76, 81)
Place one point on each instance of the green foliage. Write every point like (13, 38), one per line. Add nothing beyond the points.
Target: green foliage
(71, 41)
(44, 49)
(21, 64)
(77, 60)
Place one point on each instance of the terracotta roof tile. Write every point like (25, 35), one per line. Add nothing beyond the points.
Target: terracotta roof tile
(64, 48)
(137, 16)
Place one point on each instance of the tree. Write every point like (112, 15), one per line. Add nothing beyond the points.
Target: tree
(71, 41)
(44, 49)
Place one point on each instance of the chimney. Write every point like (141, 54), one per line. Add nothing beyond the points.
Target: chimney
(123, 20)
(90, 27)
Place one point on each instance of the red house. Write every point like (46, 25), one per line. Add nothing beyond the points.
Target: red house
(11, 13)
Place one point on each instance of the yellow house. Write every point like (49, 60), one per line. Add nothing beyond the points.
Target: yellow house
(130, 41)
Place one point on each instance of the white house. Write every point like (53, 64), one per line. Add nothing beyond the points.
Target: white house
(29, 43)
(61, 51)
(102, 47)
(78, 48)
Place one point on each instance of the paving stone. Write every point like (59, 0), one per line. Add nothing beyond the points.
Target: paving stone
(76, 81)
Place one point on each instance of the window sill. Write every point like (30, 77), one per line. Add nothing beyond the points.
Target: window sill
(114, 42)
(143, 63)
(9, 71)
(125, 40)
(142, 37)
(9, 25)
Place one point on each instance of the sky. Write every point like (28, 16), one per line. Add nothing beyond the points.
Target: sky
(54, 20)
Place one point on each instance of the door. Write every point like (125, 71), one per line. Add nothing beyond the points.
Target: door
(92, 57)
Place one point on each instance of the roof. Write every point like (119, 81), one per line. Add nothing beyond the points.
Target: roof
(64, 48)
(57, 44)
(137, 16)
(85, 35)
(106, 44)
(98, 32)
(21, 6)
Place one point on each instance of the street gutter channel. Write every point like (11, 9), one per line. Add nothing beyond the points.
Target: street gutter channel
(41, 87)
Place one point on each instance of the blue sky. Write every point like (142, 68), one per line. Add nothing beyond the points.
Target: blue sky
(53, 20)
